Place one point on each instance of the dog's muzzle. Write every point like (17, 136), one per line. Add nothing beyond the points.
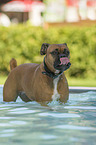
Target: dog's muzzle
(62, 63)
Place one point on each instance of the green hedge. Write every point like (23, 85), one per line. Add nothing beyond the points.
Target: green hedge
(23, 42)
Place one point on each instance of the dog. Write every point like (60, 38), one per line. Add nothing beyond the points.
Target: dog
(40, 82)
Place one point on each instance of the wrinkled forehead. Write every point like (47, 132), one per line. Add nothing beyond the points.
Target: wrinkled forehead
(60, 47)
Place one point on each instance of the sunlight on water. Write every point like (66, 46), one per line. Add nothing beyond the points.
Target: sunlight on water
(58, 115)
(73, 123)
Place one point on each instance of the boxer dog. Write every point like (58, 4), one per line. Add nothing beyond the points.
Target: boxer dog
(40, 82)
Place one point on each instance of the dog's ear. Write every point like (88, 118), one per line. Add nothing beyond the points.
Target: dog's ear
(65, 44)
(44, 47)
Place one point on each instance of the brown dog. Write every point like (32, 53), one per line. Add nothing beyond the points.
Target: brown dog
(40, 82)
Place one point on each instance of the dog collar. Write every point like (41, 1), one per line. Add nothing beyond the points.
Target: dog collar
(50, 73)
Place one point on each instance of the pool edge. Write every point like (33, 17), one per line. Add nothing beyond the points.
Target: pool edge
(77, 89)
(81, 89)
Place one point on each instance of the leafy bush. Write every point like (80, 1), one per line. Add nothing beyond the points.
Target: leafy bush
(24, 42)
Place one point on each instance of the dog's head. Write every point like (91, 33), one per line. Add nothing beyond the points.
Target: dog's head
(57, 55)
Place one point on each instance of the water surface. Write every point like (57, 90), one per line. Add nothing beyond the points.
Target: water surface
(73, 123)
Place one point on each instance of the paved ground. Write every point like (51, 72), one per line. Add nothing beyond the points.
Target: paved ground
(79, 23)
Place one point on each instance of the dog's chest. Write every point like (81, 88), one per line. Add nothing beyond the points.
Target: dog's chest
(55, 95)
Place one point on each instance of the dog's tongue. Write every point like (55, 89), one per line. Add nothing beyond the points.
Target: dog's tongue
(64, 60)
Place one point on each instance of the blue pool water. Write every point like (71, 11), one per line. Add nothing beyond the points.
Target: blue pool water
(73, 123)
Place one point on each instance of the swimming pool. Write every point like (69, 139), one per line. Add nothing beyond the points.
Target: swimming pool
(73, 123)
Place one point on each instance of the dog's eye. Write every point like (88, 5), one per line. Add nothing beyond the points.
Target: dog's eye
(54, 52)
(66, 52)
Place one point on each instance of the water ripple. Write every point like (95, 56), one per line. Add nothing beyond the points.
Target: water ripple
(7, 135)
(81, 107)
(5, 124)
(73, 127)
(5, 118)
(48, 136)
(58, 115)
(21, 111)
(18, 122)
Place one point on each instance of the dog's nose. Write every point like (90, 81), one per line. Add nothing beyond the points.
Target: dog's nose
(62, 55)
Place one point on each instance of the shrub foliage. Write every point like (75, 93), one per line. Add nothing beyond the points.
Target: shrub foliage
(23, 42)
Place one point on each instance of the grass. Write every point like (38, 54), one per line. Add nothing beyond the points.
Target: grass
(82, 82)
(2, 79)
(71, 81)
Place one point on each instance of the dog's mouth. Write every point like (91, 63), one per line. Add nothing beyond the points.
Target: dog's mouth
(62, 64)
(64, 61)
